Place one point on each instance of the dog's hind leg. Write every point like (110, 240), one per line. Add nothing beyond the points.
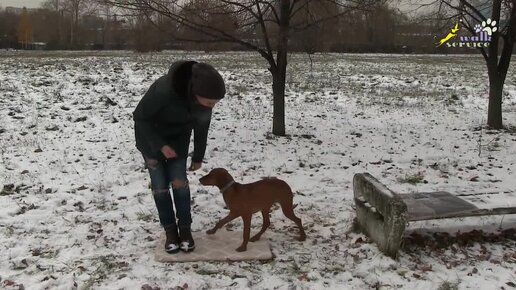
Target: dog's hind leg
(247, 232)
(288, 211)
(266, 224)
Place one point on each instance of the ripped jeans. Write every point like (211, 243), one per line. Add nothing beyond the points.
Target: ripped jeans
(163, 174)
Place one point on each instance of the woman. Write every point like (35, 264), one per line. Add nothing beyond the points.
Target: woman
(174, 105)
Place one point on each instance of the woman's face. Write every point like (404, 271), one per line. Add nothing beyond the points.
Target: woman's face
(205, 102)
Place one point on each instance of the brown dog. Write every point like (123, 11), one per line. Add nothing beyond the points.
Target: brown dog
(245, 199)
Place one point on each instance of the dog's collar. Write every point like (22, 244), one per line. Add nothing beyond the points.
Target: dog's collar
(227, 186)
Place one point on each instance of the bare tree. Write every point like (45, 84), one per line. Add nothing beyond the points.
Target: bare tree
(24, 29)
(75, 9)
(146, 36)
(320, 36)
(272, 18)
(53, 5)
(501, 46)
(105, 11)
(219, 16)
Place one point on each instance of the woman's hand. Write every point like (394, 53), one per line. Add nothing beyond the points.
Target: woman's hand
(168, 152)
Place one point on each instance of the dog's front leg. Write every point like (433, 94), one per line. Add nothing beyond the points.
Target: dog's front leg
(247, 232)
(231, 216)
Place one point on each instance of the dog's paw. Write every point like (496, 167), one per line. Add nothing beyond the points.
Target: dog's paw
(241, 249)
(211, 232)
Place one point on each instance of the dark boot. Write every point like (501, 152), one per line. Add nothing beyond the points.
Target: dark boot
(187, 242)
(172, 243)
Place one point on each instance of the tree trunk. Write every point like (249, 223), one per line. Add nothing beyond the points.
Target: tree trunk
(279, 72)
(494, 111)
(58, 27)
(76, 27)
(278, 92)
(497, 75)
(71, 31)
(496, 72)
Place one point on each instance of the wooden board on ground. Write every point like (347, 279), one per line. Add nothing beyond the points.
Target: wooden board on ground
(218, 247)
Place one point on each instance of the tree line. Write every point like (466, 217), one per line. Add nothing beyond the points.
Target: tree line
(98, 24)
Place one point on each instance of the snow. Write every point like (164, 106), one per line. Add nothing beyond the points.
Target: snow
(80, 213)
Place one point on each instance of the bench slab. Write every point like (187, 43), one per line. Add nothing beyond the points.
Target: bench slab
(441, 204)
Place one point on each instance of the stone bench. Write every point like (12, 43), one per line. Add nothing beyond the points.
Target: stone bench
(383, 214)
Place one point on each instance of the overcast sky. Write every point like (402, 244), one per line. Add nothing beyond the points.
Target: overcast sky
(21, 3)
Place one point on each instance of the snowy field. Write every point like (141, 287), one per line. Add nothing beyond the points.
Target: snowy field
(76, 211)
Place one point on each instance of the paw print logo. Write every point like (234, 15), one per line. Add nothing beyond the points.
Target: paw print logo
(489, 26)
(478, 28)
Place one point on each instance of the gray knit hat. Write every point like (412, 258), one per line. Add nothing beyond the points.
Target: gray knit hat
(207, 82)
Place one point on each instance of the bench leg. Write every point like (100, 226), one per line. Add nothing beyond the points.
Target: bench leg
(381, 214)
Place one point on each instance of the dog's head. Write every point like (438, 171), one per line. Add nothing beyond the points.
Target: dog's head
(217, 177)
